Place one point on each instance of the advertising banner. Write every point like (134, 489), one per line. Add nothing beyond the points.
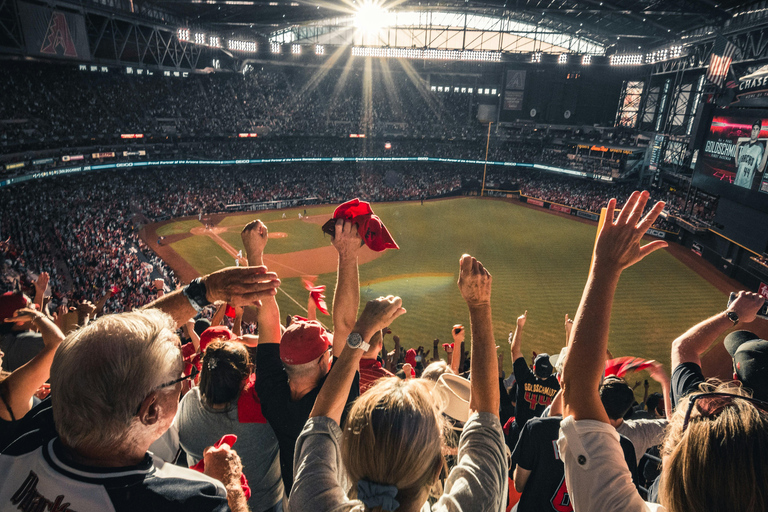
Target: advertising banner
(587, 215)
(559, 208)
(536, 202)
(140, 152)
(71, 158)
(17, 165)
(42, 161)
(53, 32)
(763, 290)
(110, 154)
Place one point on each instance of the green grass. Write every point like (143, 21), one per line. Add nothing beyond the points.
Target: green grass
(176, 228)
(203, 254)
(539, 263)
(301, 235)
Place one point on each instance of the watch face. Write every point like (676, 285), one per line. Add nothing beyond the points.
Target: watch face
(354, 340)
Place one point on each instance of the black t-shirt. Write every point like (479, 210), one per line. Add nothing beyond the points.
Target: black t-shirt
(685, 379)
(537, 452)
(20, 348)
(287, 418)
(533, 394)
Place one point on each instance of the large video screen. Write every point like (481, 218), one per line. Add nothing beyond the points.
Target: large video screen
(732, 157)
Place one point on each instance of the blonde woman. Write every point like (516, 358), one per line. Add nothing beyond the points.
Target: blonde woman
(714, 455)
(388, 456)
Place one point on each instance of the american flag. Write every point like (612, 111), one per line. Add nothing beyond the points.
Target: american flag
(722, 56)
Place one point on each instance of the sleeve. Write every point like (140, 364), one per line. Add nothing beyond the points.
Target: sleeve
(521, 370)
(270, 374)
(685, 378)
(525, 454)
(479, 480)
(318, 483)
(595, 471)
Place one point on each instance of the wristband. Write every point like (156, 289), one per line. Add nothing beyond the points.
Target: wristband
(195, 294)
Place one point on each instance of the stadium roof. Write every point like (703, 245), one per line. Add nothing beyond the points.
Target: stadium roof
(617, 25)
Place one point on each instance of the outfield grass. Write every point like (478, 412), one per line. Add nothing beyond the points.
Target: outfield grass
(301, 235)
(539, 262)
(179, 227)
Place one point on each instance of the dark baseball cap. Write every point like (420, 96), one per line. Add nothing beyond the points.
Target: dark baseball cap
(750, 360)
(542, 367)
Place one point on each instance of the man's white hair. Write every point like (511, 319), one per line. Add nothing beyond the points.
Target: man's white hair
(102, 372)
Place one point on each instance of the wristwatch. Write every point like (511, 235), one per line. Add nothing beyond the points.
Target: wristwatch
(355, 341)
(732, 316)
(195, 294)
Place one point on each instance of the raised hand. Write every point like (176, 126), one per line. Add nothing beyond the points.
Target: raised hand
(346, 239)
(41, 284)
(521, 320)
(746, 305)
(378, 313)
(618, 244)
(254, 236)
(241, 286)
(568, 327)
(458, 333)
(474, 282)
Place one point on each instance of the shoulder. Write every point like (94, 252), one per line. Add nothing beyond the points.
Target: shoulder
(184, 487)
(521, 367)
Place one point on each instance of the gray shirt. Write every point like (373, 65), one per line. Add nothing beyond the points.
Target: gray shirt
(644, 434)
(201, 426)
(20, 347)
(477, 482)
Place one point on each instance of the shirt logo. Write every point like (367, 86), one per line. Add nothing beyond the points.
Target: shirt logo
(27, 499)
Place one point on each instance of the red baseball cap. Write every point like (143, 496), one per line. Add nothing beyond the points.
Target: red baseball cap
(10, 302)
(304, 341)
(218, 332)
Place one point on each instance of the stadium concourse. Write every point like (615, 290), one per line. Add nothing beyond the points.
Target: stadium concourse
(132, 380)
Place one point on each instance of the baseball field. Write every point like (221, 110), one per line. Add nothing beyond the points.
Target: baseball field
(539, 262)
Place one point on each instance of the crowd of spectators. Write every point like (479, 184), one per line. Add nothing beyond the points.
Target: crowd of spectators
(333, 421)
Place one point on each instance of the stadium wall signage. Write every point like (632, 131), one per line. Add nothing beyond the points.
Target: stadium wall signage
(162, 163)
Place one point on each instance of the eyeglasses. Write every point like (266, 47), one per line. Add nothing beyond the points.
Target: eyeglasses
(192, 374)
(712, 404)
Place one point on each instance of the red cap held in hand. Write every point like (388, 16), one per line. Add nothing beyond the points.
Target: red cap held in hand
(369, 226)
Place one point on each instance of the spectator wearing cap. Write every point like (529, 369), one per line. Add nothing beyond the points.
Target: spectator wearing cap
(535, 389)
(750, 355)
(292, 367)
(18, 340)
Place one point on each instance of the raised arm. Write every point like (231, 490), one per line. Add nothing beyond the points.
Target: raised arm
(27, 379)
(516, 340)
(659, 375)
(378, 313)
(617, 247)
(346, 298)
(475, 287)
(458, 334)
(689, 347)
(255, 236)
(239, 286)
(41, 284)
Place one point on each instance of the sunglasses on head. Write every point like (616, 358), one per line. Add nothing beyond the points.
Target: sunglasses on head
(712, 404)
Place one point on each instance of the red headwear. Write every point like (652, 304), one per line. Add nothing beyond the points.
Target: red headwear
(369, 226)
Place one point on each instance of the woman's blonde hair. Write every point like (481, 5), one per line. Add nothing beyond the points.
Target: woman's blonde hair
(394, 436)
(718, 463)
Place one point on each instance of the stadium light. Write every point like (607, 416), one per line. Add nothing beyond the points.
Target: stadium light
(214, 42)
(536, 57)
(586, 60)
(370, 17)
(275, 47)
(319, 49)
(241, 46)
(429, 54)
(199, 38)
(563, 58)
(626, 60)
(296, 49)
(184, 34)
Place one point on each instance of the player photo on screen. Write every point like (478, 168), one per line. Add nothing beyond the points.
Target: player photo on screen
(735, 151)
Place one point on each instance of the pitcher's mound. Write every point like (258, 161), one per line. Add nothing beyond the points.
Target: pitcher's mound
(203, 231)
(277, 234)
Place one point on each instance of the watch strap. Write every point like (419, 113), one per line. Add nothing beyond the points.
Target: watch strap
(732, 316)
(195, 292)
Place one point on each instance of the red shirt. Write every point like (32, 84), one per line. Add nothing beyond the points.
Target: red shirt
(370, 372)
